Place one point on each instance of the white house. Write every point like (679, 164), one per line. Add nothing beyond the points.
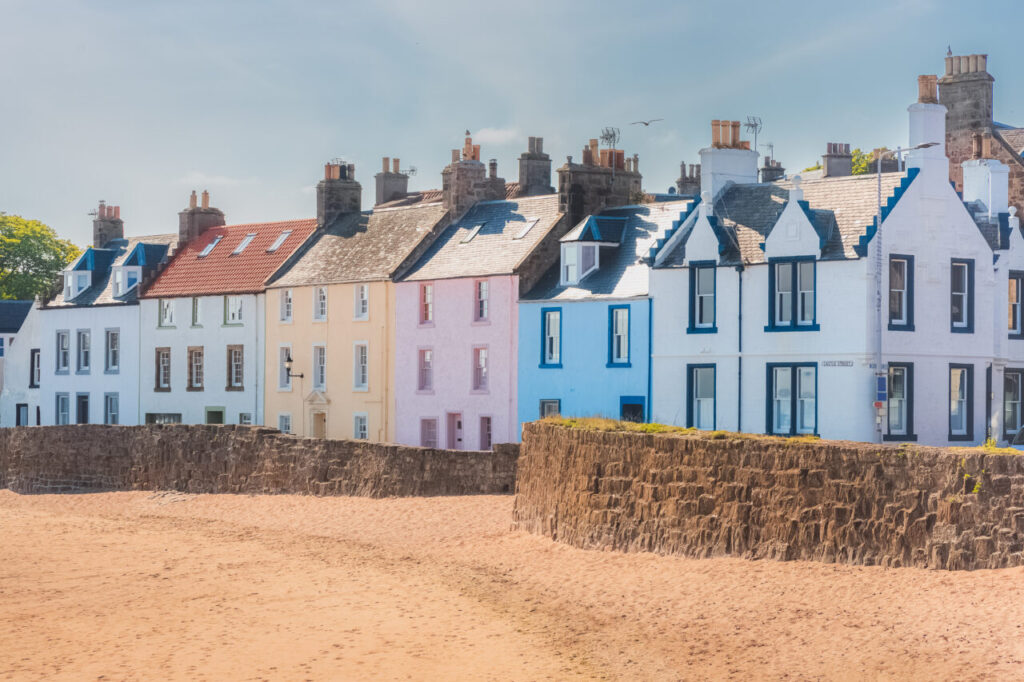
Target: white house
(203, 319)
(84, 352)
(775, 303)
(19, 399)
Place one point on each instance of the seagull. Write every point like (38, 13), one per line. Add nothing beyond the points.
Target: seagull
(646, 123)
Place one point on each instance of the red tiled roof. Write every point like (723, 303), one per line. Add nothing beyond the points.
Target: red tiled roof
(222, 271)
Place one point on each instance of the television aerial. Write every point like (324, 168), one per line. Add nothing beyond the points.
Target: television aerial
(753, 125)
(610, 136)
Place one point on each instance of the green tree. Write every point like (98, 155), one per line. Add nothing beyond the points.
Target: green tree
(31, 257)
(861, 161)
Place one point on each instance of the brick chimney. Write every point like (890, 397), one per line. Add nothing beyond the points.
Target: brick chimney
(965, 89)
(606, 178)
(772, 170)
(928, 125)
(688, 183)
(392, 183)
(727, 159)
(195, 219)
(837, 161)
(535, 169)
(337, 194)
(465, 180)
(107, 225)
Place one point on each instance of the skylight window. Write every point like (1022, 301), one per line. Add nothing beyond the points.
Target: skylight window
(209, 247)
(525, 230)
(472, 233)
(244, 243)
(279, 241)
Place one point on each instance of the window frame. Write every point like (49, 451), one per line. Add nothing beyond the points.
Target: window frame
(488, 442)
(361, 303)
(165, 313)
(794, 324)
(548, 401)
(320, 304)
(425, 369)
(83, 351)
(282, 370)
(425, 304)
(696, 327)
(316, 369)
(230, 384)
(190, 376)
(425, 421)
(481, 303)
(107, 399)
(65, 367)
(229, 303)
(968, 326)
(691, 387)
(1017, 275)
(614, 333)
(197, 312)
(968, 397)
(35, 367)
(356, 416)
(162, 351)
(285, 306)
(282, 417)
(1019, 372)
(794, 398)
(57, 412)
(480, 375)
(908, 399)
(907, 324)
(108, 349)
(554, 363)
(356, 367)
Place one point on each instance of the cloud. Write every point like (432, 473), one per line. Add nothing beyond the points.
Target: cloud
(198, 178)
(496, 136)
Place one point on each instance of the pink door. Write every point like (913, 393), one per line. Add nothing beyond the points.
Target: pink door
(454, 430)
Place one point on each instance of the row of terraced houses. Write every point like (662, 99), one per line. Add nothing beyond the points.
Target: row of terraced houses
(880, 306)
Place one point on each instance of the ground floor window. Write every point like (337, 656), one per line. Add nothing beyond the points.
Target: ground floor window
(214, 415)
(163, 418)
(961, 397)
(550, 408)
(360, 426)
(82, 408)
(485, 433)
(428, 433)
(700, 390)
(245, 418)
(631, 408)
(111, 409)
(900, 405)
(1012, 380)
(284, 423)
(792, 398)
(21, 414)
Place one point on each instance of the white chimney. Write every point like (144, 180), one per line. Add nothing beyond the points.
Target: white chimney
(727, 159)
(987, 181)
(927, 126)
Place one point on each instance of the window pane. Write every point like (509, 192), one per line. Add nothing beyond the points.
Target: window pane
(959, 278)
(897, 274)
(705, 280)
(781, 399)
(806, 392)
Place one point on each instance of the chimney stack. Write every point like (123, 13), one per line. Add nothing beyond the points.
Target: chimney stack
(107, 225)
(391, 182)
(927, 89)
(837, 162)
(602, 180)
(465, 180)
(194, 220)
(337, 194)
(728, 159)
(535, 169)
(987, 181)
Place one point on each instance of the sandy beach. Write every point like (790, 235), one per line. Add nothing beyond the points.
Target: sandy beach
(127, 586)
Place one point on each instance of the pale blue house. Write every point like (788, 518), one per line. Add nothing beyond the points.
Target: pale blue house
(584, 329)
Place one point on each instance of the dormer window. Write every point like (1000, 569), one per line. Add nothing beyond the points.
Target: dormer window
(578, 261)
(75, 282)
(125, 278)
(209, 247)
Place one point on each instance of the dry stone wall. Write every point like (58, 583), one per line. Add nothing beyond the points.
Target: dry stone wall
(761, 497)
(239, 459)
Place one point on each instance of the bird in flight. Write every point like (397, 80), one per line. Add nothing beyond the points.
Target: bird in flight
(646, 123)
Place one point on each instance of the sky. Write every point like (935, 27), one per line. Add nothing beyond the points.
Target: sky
(138, 103)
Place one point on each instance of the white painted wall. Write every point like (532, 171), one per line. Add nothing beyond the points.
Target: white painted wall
(214, 336)
(16, 371)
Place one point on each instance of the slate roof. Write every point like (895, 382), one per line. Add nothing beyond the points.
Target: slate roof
(1014, 137)
(841, 209)
(623, 272)
(494, 250)
(426, 196)
(114, 254)
(224, 272)
(599, 228)
(362, 247)
(12, 314)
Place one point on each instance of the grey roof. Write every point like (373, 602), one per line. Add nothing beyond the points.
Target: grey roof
(1014, 137)
(113, 254)
(598, 228)
(494, 250)
(623, 271)
(841, 209)
(12, 314)
(360, 247)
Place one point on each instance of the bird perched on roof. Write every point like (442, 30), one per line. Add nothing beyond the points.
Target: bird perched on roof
(646, 124)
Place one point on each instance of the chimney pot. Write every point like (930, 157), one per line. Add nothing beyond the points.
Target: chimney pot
(384, 165)
(972, 62)
(206, 199)
(396, 166)
(117, 213)
(455, 156)
(736, 133)
(531, 145)
(927, 89)
(192, 200)
(492, 167)
(716, 133)
(540, 145)
(983, 62)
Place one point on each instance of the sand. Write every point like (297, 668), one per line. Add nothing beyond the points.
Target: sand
(209, 587)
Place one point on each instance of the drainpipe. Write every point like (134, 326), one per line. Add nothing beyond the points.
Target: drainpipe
(650, 353)
(988, 402)
(739, 350)
(878, 297)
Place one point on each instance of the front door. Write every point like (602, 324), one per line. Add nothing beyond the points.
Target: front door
(454, 430)
(82, 408)
(319, 425)
(21, 418)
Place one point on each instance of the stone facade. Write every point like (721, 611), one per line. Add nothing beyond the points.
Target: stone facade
(233, 459)
(535, 170)
(606, 178)
(759, 497)
(337, 194)
(466, 180)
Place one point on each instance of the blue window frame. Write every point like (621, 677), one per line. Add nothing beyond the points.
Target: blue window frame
(900, 403)
(1015, 320)
(961, 402)
(791, 398)
(961, 296)
(1, 346)
(551, 338)
(618, 336)
(792, 294)
(901, 293)
(632, 408)
(701, 397)
(703, 298)
(1013, 400)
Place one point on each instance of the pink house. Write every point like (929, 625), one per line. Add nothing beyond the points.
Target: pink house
(456, 328)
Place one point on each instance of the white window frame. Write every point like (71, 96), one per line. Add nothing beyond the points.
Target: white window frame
(276, 245)
(209, 247)
(165, 312)
(163, 378)
(361, 306)
(620, 335)
(246, 240)
(62, 417)
(704, 301)
(284, 422)
(284, 379)
(428, 440)
(197, 311)
(233, 310)
(784, 297)
(35, 367)
(196, 371)
(426, 303)
(112, 350)
(545, 407)
(782, 400)
(360, 426)
(958, 401)
(703, 408)
(481, 369)
(319, 304)
(552, 337)
(83, 350)
(286, 305)
(360, 366)
(963, 295)
(900, 293)
(129, 274)
(236, 370)
(111, 408)
(63, 363)
(481, 300)
(806, 293)
(1012, 404)
(319, 367)
(570, 264)
(897, 404)
(425, 369)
